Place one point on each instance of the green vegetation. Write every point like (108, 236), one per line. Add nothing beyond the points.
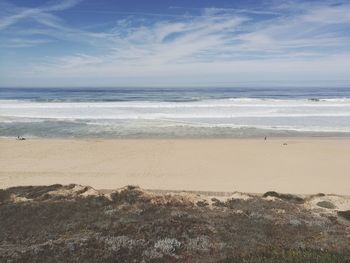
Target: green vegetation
(345, 214)
(133, 226)
(287, 197)
(295, 255)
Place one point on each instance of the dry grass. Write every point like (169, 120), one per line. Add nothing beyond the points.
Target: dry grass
(134, 225)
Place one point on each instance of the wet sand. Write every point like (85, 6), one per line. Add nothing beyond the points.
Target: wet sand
(303, 165)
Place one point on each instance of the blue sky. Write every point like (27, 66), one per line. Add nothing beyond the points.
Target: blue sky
(174, 43)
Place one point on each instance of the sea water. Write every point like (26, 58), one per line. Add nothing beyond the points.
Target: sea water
(174, 112)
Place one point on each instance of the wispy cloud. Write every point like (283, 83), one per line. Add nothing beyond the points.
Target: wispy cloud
(23, 42)
(288, 38)
(40, 14)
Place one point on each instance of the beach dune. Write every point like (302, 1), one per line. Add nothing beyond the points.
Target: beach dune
(294, 165)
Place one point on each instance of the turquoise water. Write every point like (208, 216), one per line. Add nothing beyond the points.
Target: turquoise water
(174, 112)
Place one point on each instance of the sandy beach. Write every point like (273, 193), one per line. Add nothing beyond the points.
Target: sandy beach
(303, 165)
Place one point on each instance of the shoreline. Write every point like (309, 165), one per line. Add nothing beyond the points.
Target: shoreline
(306, 165)
(301, 136)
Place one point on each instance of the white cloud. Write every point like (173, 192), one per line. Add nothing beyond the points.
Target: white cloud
(39, 14)
(77, 61)
(21, 42)
(284, 41)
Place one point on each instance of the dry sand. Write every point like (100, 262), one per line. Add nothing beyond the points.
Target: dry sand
(304, 165)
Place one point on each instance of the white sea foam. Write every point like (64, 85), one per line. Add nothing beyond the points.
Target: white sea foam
(291, 114)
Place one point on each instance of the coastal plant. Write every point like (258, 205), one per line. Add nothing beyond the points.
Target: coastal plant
(345, 214)
(140, 227)
(286, 197)
(168, 246)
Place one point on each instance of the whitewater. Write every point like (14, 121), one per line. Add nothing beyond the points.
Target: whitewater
(175, 114)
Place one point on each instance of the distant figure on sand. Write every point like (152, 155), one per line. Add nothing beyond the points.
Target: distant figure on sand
(265, 138)
(19, 138)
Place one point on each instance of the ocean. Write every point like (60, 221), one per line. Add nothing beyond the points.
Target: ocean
(173, 112)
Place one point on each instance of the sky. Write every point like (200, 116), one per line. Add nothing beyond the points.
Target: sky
(166, 43)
